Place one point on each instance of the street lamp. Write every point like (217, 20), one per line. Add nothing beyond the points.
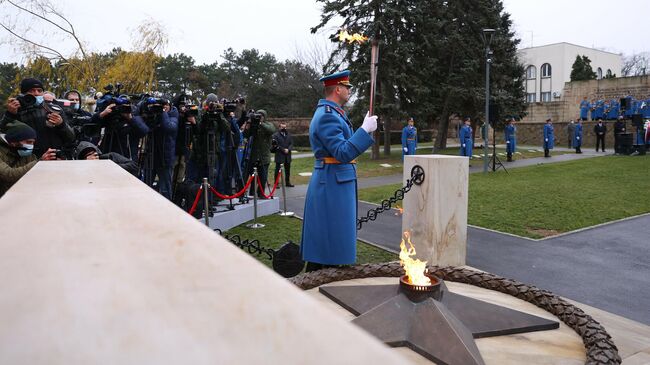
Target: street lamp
(486, 35)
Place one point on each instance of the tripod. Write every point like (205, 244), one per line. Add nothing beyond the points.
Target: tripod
(146, 158)
(494, 160)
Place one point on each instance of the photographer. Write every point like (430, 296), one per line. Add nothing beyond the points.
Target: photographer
(161, 122)
(229, 151)
(282, 144)
(44, 117)
(187, 115)
(80, 120)
(88, 151)
(261, 132)
(204, 154)
(16, 158)
(121, 131)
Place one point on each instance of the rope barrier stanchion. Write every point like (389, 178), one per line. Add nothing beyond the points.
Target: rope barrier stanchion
(206, 202)
(255, 225)
(196, 200)
(275, 186)
(284, 212)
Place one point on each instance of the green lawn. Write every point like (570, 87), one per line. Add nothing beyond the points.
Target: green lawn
(367, 167)
(544, 200)
(279, 229)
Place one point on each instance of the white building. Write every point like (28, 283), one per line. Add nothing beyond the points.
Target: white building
(549, 67)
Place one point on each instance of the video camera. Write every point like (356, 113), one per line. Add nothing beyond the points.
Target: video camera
(122, 102)
(231, 105)
(26, 100)
(153, 105)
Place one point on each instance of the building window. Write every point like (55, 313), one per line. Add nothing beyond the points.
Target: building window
(545, 97)
(531, 72)
(530, 97)
(599, 73)
(546, 70)
(609, 73)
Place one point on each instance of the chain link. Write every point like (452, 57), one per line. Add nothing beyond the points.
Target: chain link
(417, 177)
(253, 247)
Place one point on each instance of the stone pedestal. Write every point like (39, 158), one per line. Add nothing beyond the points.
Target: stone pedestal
(436, 212)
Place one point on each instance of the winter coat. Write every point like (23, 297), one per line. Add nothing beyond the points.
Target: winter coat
(284, 140)
(12, 166)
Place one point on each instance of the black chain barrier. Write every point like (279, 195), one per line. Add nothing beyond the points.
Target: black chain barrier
(286, 260)
(417, 178)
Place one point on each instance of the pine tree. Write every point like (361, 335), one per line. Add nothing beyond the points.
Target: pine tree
(581, 69)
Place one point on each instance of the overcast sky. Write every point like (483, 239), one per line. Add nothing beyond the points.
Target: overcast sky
(204, 29)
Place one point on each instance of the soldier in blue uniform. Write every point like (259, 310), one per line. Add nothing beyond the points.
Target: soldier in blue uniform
(466, 141)
(585, 106)
(612, 113)
(511, 138)
(549, 138)
(577, 137)
(329, 230)
(409, 139)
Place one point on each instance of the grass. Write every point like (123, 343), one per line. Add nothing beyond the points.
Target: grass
(367, 167)
(545, 200)
(279, 229)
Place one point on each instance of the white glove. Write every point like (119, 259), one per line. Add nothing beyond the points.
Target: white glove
(463, 145)
(546, 140)
(578, 138)
(369, 123)
(406, 149)
(507, 142)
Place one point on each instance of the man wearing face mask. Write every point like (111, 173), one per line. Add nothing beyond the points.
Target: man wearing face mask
(16, 158)
(80, 120)
(283, 143)
(51, 130)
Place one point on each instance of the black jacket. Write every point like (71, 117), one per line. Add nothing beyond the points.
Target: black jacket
(619, 127)
(58, 137)
(598, 129)
(283, 141)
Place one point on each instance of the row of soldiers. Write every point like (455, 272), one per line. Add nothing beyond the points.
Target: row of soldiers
(612, 109)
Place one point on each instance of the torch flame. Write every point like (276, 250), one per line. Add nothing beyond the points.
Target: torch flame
(399, 210)
(414, 268)
(344, 36)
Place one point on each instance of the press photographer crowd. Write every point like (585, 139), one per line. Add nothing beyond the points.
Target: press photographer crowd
(171, 144)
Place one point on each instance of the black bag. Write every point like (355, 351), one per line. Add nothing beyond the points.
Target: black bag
(185, 195)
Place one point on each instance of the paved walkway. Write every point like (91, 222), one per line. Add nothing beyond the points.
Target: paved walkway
(607, 267)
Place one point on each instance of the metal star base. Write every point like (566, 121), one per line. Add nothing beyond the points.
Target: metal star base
(441, 330)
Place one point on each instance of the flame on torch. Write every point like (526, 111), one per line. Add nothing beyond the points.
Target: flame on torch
(344, 36)
(399, 210)
(413, 267)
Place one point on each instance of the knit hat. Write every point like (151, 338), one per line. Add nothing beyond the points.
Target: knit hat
(263, 112)
(28, 84)
(18, 131)
(211, 98)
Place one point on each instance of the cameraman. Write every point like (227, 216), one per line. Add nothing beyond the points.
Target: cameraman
(207, 139)
(161, 122)
(121, 131)
(260, 149)
(186, 129)
(29, 108)
(229, 152)
(80, 119)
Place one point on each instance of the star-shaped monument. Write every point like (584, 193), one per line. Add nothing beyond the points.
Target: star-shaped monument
(440, 327)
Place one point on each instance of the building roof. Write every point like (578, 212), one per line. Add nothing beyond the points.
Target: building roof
(571, 44)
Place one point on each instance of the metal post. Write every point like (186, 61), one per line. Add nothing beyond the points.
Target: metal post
(206, 201)
(487, 109)
(255, 224)
(284, 194)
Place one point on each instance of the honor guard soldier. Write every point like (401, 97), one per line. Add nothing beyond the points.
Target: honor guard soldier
(409, 139)
(585, 106)
(329, 231)
(577, 137)
(549, 138)
(466, 142)
(511, 139)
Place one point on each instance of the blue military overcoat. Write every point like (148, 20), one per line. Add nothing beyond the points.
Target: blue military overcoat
(549, 138)
(577, 136)
(511, 140)
(409, 140)
(329, 228)
(585, 106)
(466, 142)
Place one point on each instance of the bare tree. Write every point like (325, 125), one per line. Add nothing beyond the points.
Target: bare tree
(316, 53)
(636, 64)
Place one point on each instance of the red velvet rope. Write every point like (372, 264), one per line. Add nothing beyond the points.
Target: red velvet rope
(275, 185)
(237, 195)
(196, 200)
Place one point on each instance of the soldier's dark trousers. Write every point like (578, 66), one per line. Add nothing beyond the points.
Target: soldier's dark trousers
(509, 156)
(547, 152)
(600, 141)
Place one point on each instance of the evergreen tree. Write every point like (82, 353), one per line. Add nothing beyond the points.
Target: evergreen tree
(581, 69)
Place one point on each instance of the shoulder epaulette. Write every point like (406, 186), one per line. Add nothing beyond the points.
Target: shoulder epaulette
(328, 109)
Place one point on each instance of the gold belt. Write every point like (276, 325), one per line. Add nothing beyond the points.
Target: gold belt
(332, 160)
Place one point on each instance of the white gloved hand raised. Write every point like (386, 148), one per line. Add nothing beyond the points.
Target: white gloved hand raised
(369, 123)
(406, 149)
(507, 142)
(546, 140)
(578, 138)
(463, 145)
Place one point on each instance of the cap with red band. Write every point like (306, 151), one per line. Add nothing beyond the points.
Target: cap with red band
(338, 78)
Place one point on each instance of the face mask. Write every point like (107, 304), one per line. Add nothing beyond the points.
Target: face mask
(26, 150)
(283, 130)
(76, 106)
(39, 100)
